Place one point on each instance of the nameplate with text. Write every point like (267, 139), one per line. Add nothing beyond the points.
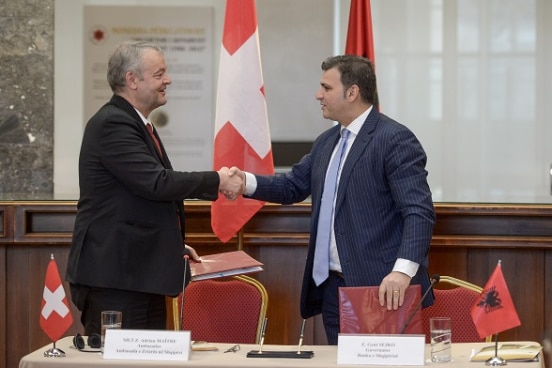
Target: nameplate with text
(380, 349)
(146, 344)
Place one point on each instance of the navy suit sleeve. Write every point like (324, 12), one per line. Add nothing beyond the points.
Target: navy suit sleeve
(407, 179)
(291, 187)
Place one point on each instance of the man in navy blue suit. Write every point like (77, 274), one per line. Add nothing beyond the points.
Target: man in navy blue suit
(381, 215)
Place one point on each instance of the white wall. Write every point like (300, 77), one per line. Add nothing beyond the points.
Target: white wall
(471, 78)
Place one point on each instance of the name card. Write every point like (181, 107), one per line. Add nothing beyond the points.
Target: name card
(381, 349)
(146, 344)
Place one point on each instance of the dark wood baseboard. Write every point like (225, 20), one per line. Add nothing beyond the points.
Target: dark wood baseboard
(468, 241)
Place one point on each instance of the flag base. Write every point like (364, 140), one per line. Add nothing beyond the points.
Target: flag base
(54, 353)
(496, 361)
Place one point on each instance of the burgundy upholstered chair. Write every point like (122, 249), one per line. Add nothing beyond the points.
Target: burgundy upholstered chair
(227, 310)
(455, 303)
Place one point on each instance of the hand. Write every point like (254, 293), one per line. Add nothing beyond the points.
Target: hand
(192, 253)
(392, 289)
(236, 171)
(232, 185)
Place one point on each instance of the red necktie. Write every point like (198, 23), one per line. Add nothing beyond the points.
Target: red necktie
(158, 145)
(155, 140)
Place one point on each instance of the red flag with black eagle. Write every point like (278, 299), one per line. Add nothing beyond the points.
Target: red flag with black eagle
(360, 37)
(494, 311)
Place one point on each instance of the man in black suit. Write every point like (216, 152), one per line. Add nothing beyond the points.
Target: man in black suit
(380, 216)
(128, 240)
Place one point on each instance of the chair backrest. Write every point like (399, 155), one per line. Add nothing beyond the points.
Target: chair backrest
(230, 310)
(455, 303)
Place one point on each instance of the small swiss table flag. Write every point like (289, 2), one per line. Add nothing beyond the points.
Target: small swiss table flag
(55, 315)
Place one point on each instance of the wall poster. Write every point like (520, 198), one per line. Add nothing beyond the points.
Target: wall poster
(185, 34)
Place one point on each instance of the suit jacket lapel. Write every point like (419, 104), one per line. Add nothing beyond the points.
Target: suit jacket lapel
(355, 153)
(129, 109)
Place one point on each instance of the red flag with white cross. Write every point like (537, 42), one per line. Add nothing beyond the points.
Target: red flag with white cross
(242, 136)
(55, 315)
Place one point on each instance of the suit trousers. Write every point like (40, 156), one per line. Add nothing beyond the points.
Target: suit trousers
(330, 305)
(142, 311)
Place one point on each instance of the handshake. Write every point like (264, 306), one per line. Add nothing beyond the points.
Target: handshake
(232, 182)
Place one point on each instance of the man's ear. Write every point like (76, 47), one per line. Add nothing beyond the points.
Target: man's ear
(353, 92)
(131, 79)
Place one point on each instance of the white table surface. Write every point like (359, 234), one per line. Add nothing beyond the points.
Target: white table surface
(325, 356)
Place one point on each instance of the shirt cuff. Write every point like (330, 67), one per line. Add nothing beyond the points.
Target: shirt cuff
(407, 267)
(250, 184)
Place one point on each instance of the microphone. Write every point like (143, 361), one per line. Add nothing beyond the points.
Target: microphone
(184, 284)
(280, 354)
(301, 336)
(434, 279)
(263, 332)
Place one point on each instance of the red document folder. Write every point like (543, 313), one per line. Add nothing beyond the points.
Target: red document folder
(360, 312)
(224, 264)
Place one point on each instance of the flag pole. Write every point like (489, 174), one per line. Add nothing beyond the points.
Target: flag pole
(240, 239)
(496, 360)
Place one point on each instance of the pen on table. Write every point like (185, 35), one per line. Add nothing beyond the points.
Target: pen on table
(233, 349)
(301, 337)
(263, 331)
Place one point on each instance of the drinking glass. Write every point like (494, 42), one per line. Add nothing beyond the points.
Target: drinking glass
(440, 333)
(110, 319)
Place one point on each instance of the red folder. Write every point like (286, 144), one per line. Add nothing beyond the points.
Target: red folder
(224, 264)
(360, 312)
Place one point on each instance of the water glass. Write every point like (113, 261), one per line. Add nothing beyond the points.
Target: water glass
(440, 333)
(110, 319)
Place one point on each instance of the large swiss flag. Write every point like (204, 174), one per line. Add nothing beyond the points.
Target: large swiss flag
(242, 136)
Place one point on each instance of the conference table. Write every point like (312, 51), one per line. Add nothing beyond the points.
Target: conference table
(325, 356)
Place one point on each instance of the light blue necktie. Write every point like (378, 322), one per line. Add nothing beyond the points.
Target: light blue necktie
(321, 265)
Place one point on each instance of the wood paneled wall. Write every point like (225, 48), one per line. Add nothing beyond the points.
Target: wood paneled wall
(468, 241)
